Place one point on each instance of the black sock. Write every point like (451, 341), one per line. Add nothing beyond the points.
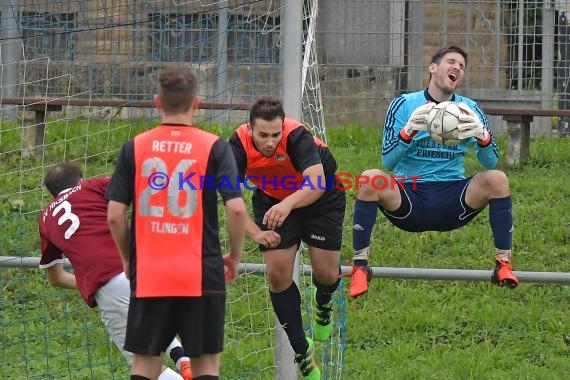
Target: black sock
(176, 353)
(324, 292)
(139, 377)
(287, 307)
(206, 377)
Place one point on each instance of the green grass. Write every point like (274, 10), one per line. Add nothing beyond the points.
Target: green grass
(400, 330)
(464, 330)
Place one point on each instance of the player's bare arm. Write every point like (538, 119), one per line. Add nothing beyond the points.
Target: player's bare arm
(57, 276)
(237, 218)
(236, 213)
(304, 196)
(268, 238)
(119, 226)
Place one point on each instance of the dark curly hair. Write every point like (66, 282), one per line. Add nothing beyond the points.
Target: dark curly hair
(266, 108)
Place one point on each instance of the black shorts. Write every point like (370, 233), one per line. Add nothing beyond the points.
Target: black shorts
(434, 206)
(153, 323)
(319, 225)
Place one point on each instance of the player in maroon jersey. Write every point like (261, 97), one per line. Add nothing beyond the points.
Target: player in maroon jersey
(74, 224)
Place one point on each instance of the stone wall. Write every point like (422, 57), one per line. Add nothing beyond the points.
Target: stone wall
(358, 78)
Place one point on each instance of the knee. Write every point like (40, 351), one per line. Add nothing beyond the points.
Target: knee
(278, 279)
(326, 276)
(498, 182)
(371, 183)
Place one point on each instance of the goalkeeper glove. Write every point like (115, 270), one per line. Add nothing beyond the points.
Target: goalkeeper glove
(416, 122)
(470, 126)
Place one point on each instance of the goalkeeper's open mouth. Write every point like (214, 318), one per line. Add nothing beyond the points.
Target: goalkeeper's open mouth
(453, 77)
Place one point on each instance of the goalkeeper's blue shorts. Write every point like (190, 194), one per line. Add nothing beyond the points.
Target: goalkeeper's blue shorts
(433, 206)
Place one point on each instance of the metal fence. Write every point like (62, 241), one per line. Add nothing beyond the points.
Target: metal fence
(368, 52)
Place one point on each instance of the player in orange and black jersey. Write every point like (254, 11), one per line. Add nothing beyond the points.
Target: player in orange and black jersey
(297, 199)
(173, 255)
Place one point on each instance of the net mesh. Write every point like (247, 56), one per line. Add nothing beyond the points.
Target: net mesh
(97, 62)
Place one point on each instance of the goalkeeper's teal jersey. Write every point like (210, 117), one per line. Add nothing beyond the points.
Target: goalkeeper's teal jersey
(423, 157)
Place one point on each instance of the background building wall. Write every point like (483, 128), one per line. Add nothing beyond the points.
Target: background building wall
(368, 51)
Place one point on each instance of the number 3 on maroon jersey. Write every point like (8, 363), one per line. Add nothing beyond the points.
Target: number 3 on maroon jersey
(67, 215)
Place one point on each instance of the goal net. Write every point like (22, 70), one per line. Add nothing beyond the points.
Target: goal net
(96, 62)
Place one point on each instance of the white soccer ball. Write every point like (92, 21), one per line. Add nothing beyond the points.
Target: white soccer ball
(442, 123)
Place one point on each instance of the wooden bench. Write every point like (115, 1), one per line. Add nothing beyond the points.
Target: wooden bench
(518, 129)
(36, 136)
(518, 120)
(42, 106)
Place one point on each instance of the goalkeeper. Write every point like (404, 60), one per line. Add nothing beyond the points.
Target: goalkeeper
(442, 199)
(74, 224)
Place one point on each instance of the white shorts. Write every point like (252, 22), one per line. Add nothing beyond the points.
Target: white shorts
(113, 305)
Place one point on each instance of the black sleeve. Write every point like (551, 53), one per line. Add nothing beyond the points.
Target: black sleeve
(239, 154)
(222, 167)
(302, 149)
(121, 187)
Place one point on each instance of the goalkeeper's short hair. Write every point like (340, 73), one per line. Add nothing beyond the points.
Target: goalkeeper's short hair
(62, 176)
(436, 58)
